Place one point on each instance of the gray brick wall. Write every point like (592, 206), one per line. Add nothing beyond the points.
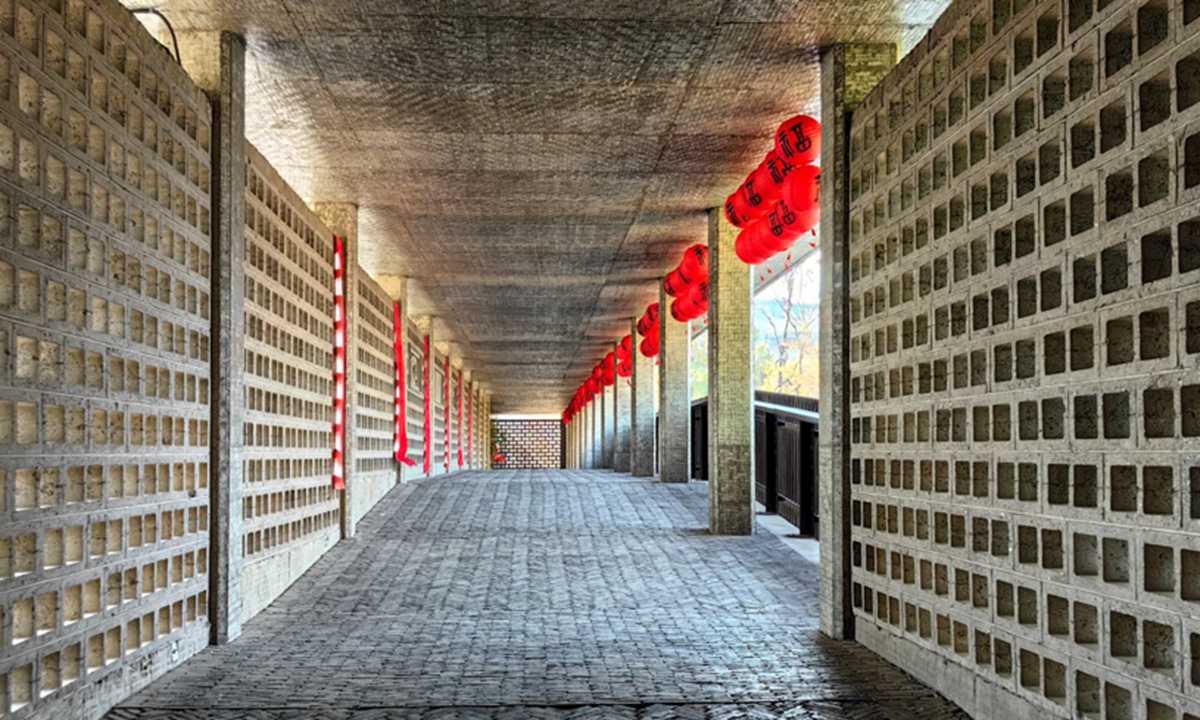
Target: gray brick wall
(104, 385)
(1024, 324)
(375, 375)
(290, 510)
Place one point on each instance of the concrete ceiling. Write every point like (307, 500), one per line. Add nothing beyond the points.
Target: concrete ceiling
(533, 165)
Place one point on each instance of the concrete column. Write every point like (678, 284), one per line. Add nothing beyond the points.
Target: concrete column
(342, 219)
(730, 388)
(641, 430)
(217, 62)
(623, 417)
(611, 418)
(674, 396)
(848, 72)
(606, 449)
(588, 423)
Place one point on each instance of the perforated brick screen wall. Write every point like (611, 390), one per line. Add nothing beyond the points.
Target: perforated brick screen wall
(528, 444)
(1025, 241)
(104, 388)
(375, 378)
(290, 511)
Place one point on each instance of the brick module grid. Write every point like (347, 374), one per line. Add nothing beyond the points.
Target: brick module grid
(375, 387)
(528, 444)
(1025, 337)
(104, 302)
(290, 510)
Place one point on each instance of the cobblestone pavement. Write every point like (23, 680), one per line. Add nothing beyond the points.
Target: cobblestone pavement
(545, 595)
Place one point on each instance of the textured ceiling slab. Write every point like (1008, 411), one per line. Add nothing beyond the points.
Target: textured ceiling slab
(533, 165)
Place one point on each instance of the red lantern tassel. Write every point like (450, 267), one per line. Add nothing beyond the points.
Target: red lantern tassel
(339, 364)
(460, 422)
(400, 439)
(446, 406)
(428, 426)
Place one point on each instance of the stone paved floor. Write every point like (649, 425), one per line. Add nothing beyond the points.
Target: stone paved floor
(512, 595)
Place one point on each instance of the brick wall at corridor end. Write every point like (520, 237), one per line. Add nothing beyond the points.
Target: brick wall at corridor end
(1025, 337)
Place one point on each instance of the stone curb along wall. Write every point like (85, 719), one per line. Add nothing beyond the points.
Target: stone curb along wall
(104, 386)
(105, 395)
(1025, 336)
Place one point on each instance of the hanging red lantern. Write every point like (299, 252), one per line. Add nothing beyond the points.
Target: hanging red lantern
(624, 369)
(626, 345)
(803, 189)
(798, 140)
(649, 346)
(771, 176)
(673, 284)
(749, 247)
(694, 266)
(783, 225)
(735, 212)
(696, 303)
(649, 321)
(752, 202)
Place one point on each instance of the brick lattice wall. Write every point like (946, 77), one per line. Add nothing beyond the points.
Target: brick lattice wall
(104, 388)
(1025, 333)
(290, 510)
(375, 375)
(528, 444)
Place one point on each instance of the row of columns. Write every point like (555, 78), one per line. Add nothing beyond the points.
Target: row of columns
(216, 61)
(623, 430)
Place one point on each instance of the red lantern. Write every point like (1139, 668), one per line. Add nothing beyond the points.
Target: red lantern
(749, 247)
(649, 321)
(771, 175)
(677, 310)
(649, 346)
(803, 189)
(753, 203)
(626, 345)
(783, 225)
(624, 369)
(798, 140)
(694, 266)
(735, 213)
(673, 284)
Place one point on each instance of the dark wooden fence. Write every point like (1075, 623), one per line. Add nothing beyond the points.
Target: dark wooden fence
(785, 454)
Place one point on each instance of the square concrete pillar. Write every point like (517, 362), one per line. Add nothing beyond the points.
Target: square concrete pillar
(610, 417)
(342, 219)
(730, 388)
(623, 419)
(606, 425)
(217, 62)
(642, 439)
(674, 396)
(848, 73)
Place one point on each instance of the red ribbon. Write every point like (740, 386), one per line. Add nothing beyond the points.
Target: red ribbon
(446, 406)
(339, 364)
(428, 465)
(400, 414)
(460, 427)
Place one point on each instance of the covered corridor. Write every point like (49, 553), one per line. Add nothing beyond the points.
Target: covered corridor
(543, 594)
